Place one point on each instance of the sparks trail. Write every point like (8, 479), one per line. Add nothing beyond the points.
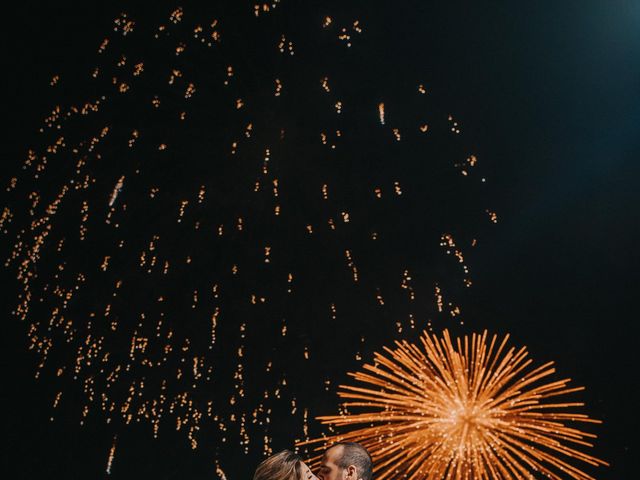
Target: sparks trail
(175, 215)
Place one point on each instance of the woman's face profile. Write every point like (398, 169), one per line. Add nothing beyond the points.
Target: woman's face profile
(307, 474)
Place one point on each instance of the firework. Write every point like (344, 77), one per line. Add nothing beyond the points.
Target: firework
(210, 192)
(469, 409)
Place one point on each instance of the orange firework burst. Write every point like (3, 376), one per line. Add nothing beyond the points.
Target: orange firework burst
(468, 410)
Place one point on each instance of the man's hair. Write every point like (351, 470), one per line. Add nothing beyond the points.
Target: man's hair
(284, 465)
(355, 454)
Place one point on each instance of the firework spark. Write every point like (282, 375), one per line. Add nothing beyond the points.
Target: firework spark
(469, 409)
(140, 192)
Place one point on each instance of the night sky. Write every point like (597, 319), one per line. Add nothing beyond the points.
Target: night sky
(546, 98)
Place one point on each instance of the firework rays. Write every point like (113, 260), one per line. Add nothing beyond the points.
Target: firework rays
(468, 409)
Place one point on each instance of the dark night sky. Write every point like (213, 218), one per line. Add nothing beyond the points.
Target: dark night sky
(548, 94)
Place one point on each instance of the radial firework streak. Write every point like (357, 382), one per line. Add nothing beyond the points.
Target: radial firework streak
(473, 409)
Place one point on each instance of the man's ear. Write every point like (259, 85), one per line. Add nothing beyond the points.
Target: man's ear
(351, 473)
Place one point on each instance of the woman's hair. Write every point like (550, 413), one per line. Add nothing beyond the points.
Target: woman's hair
(284, 465)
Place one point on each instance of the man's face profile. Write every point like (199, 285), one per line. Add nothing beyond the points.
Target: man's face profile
(329, 469)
